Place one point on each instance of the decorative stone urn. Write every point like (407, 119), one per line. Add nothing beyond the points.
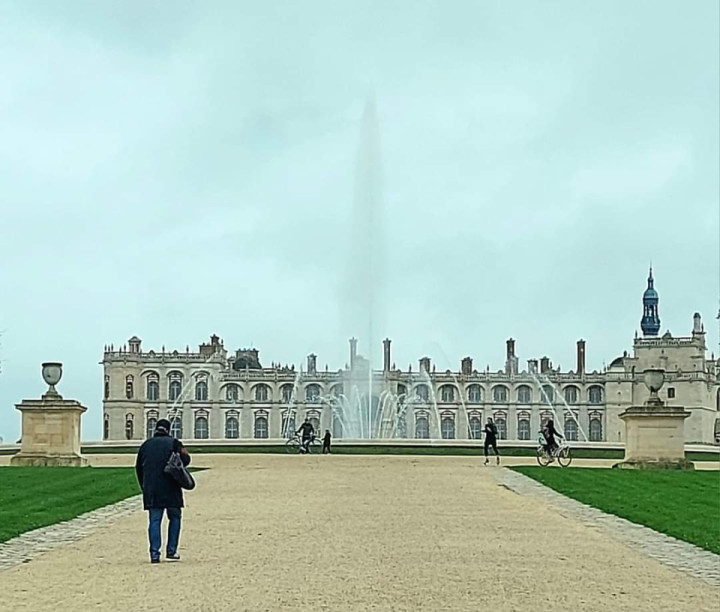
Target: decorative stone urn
(655, 432)
(50, 426)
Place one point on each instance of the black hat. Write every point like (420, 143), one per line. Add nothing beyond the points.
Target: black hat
(163, 424)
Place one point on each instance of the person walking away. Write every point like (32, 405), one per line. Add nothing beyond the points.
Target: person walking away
(326, 442)
(308, 433)
(161, 493)
(549, 432)
(491, 440)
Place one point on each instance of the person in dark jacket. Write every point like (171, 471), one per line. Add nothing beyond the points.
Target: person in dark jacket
(161, 493)
(307, 432)
(549, 433)
(326, 442)
(491, 440)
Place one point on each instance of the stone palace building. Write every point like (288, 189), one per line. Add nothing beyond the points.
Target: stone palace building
(210, 394)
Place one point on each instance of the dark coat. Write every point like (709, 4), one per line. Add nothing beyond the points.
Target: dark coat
(159, 489)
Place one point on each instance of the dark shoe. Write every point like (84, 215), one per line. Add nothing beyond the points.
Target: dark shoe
(172, 557)
(154, 560)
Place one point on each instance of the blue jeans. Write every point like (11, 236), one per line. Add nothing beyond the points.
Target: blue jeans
(155, 533)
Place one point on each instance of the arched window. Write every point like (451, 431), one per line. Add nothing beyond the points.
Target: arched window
(129, 426)
(312, 393)
(261, 425)
(201, 425)
(152, 389)
(571, 429)
(232, 424)
(176, 428)
(422, 428)
(422, 392)
(151, 423)
(175, 388)
(232, 393)
(596, 429)
(314, 417)
(336, 390)
(447, 394)
(475, 426)
(288, 428)
(129, 386)
(524, 395)
(286, 392)
(106, 390)
(500, 420)
(595, 394)
(201, 391)
(262, 393)
(475, 394)
(447, 427)
(571, 394)
(500, 394)
(106, 427)
(401, 390)
(523, 426)
(337, 427)
(547, 394)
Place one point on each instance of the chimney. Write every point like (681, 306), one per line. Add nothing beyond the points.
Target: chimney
(134, 343)
(533, 366)
(466, 366)
(511, 362)
(425, 364)
(386, 354)
(353, 352)
(312, 363)
(544, 365)
(580, 357)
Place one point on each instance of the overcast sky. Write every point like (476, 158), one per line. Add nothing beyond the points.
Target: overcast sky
(177, 169)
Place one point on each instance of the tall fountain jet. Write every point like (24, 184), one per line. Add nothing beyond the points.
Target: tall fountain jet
(363, 294)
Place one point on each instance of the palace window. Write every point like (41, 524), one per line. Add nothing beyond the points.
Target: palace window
(523, 428)
(571, 394)
(596, 430)
(262, 393)
(447, 427)
(286, 392)
(201, 391)
(151, 423)
(152, 390)
(261, 425)
(106, 390)
(288, 428)
(500, 394)
(176, 427)
(129, 426)
(524, 395)
(447, 394)
(312, 393)
(106, 427)
(175, 387)
(475, 394)
(337, 427)
(571, 429)
(547, 394)
(422, 392)
(314, 417)
(201, 426)
(595, 394)
(232, 425)
(671, 392)
(129, 386)
(232, 393)
(500, 420)
(476, 427)
(422, 428)
(402, 391)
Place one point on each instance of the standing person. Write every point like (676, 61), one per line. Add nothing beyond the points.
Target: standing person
(161, 493)
(308, 433)
(491, 440)
(549, 432)
(326, 442)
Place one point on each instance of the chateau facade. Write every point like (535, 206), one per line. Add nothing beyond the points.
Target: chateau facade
(211, 395)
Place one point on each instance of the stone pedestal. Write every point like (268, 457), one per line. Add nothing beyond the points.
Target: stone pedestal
(50, 432)
(655, 435)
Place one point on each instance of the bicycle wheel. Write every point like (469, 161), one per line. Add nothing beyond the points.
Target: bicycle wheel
(292, 446)
(564, 458)
(542, 457)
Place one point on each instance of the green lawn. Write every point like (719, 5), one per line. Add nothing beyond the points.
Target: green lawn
(685, 505)
(32, 497)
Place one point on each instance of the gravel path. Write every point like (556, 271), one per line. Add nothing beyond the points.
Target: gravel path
(347, 533)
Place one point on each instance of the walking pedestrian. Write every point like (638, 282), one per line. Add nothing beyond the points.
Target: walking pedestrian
(491, 440)
(161, 493)
(326, 442)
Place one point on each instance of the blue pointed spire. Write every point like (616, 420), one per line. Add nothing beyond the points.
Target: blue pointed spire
(650, 323)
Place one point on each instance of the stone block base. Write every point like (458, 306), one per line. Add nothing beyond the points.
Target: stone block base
(638, 464)
(48, 461)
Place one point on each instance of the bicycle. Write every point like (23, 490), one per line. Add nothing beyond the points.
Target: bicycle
(561, 453)
(294, 445)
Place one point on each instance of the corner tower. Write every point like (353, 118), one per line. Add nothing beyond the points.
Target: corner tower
(650, 323)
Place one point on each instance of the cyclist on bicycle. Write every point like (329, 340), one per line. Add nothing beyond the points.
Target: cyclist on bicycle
(307, 432)
(549, 432)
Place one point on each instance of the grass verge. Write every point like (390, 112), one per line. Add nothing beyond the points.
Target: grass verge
(684, 505)
(32, 497)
